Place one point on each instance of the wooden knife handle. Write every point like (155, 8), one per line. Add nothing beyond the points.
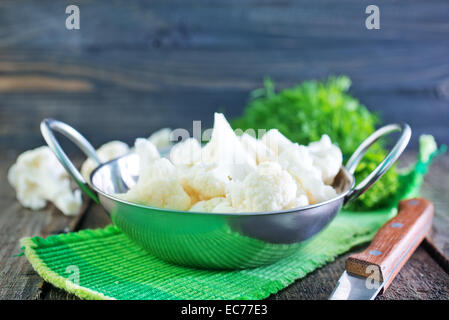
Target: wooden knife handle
(394, 243)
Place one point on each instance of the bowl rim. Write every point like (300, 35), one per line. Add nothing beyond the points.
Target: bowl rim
(234, 214)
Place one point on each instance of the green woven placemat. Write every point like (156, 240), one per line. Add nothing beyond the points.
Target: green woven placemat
(105, 264)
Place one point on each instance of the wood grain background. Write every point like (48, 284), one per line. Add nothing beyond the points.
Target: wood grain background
(137, 66)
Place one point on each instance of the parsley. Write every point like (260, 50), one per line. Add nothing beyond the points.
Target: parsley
(305, 112)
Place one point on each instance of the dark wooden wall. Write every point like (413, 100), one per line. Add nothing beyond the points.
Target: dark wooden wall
(136, 66)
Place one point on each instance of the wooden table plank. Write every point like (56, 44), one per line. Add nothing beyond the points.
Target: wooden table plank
(420, 278)
(436, 189)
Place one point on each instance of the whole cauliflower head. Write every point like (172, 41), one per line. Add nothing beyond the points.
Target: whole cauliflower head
(106, 152)
(269, 188)
(38, 177)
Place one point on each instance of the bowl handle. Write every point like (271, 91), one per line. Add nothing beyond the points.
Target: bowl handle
(394, 154)
(47, 128)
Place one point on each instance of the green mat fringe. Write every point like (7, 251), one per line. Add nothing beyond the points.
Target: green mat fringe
(105, 264)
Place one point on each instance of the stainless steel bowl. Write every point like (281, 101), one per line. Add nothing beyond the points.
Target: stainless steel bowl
(214, 240)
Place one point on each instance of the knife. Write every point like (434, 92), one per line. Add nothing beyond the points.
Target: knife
(371, 272)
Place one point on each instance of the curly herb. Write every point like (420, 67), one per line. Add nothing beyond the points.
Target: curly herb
(305, 112)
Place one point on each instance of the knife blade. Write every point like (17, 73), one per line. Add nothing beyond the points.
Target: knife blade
(371, 272)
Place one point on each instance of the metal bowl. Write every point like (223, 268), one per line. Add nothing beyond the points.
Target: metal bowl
(214, 240)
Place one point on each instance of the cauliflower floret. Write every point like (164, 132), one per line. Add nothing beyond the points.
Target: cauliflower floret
(186, 153)
(216, 205)
(161, 138)
(159, 187)
(225, 150)
(298, 156)
(147, 153)
(317, 191)
(327, 157)
(205, 181)
(38, 177)
(257, 149)
(224, 207)
(276, 141)
(298, 202)
(158, 183)
(299, 163)
(223, 160)
(301, 199)
(270, 188)
(106, 152)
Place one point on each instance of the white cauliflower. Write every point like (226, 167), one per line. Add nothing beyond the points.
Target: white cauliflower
(147, 153)
(230, 174)
(205, 181)
(161, 138)
(327, 157)
(298, 156)
(225, 150)
(158, 183)
(270, 188)
(223, 160)
(298, 202)
(276, 141)
(216, 205)
(159, 190)
(106, 152)
(38, 177)
(186, 153)
(299, 163)
(257, 149)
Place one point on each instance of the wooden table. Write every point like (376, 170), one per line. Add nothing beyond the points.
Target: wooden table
(425, 276)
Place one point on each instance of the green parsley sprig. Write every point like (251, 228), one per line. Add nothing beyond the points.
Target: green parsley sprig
(305, 112)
